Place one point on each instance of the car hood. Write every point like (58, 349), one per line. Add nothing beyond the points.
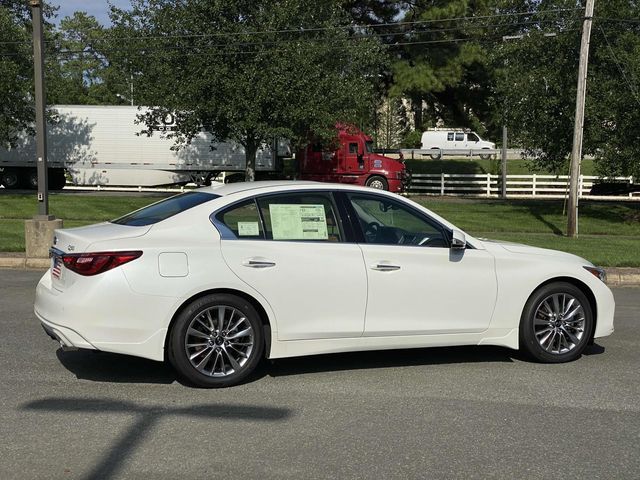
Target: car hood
(520, 248)
(77, 240)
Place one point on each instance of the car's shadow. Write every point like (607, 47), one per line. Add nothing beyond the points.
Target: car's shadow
(109, 367)
(389, 359)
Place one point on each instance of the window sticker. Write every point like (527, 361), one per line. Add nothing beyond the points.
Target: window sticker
(298, 222)
(248, 229)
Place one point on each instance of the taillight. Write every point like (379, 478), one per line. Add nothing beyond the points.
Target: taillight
(94, 263)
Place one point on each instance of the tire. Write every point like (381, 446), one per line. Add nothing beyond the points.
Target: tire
(218, 359)
(32, 179)
(557, 323)
(378, 182)
(485, 156)
(436, 156)
(12, 178)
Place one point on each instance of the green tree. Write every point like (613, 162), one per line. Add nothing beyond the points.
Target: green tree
(16, 71)
(248, 70)
(440, 61)
(536, 77)
(77, 63)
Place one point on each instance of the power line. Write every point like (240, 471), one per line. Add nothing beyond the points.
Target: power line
(632, 87)
(337, 27)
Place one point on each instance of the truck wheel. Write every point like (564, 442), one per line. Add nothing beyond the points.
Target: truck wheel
(32, 179)
(437, 155)
(11, 178)
(485, 156)
(376, 181)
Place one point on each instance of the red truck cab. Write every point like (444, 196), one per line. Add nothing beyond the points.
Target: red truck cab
(352, 161)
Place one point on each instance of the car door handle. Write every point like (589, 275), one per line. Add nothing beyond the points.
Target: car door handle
(385, 267)
(258, 263)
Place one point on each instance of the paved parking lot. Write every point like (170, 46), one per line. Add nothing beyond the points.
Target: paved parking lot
(476, 412)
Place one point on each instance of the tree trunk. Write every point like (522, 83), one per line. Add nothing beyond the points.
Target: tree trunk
(250, 154)
(416, 105)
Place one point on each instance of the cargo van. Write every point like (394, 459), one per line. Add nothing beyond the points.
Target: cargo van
(445, 141)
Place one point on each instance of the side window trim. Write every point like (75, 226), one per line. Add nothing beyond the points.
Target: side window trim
(225, 232)
(355, 224)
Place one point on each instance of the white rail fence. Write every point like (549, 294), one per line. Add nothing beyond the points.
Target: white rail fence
(549, 186)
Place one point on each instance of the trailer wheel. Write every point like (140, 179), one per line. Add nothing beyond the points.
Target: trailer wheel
(437, 155)
(376, 181)
(32, 179)
(11, 178)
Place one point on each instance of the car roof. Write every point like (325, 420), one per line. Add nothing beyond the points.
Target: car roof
(255, 187)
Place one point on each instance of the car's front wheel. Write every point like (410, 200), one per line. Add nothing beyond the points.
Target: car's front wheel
(556, 323)
(217, 341)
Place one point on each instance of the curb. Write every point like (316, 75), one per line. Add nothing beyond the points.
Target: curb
(616, 277)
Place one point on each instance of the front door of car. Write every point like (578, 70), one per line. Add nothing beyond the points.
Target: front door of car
(417, 284)
(292, 250)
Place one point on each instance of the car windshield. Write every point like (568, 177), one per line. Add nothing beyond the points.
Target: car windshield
(164, 209)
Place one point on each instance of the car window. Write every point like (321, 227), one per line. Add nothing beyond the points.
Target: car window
(472, 137)
(450, 136)
(353, 148)
(387, 222)
(300, 216)
(243, 220)
(164, 209)
(459, 137)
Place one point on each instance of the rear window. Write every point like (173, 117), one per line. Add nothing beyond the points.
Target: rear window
(164, 209)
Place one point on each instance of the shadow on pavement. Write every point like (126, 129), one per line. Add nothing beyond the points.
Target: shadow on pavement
(390, 359)
(147, 417)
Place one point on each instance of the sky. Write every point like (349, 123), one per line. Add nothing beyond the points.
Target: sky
(97, 8)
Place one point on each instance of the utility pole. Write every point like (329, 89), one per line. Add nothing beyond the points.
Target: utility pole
(39, 231)
(578, 129)
(41, 128)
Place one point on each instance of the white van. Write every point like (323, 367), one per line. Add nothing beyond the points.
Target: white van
(439, 139)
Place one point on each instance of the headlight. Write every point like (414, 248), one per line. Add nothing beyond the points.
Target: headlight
(598, 272)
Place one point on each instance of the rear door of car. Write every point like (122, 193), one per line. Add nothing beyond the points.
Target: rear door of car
(293, 249)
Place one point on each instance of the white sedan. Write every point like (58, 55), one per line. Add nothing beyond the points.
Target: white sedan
(215, 279)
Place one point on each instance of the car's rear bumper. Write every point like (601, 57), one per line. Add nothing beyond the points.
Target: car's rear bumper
(104, 315)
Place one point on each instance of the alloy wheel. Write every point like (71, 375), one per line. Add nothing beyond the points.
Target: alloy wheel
(559, 323)
(219, 341)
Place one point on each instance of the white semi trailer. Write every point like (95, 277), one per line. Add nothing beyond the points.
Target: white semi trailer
(103, 145)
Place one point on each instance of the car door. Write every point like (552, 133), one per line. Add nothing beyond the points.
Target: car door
(417, 284)
(292, 249)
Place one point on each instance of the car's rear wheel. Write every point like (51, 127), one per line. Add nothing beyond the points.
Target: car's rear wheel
(217, 341)
(556, 323)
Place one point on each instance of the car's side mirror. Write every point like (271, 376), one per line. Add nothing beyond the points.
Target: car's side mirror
(458, 240)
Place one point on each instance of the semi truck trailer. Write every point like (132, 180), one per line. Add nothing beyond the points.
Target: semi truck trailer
(104, 145)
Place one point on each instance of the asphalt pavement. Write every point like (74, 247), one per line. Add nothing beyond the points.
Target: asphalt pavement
(465, 412)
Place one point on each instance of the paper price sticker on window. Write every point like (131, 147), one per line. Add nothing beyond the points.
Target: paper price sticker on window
(248, 229)
(298, 222)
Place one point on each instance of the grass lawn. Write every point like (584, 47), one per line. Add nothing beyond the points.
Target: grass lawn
(609, 231)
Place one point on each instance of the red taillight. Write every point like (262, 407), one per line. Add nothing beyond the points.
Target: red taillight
(94, 263)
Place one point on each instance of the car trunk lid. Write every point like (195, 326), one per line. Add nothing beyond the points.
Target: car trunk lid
(79, 240)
